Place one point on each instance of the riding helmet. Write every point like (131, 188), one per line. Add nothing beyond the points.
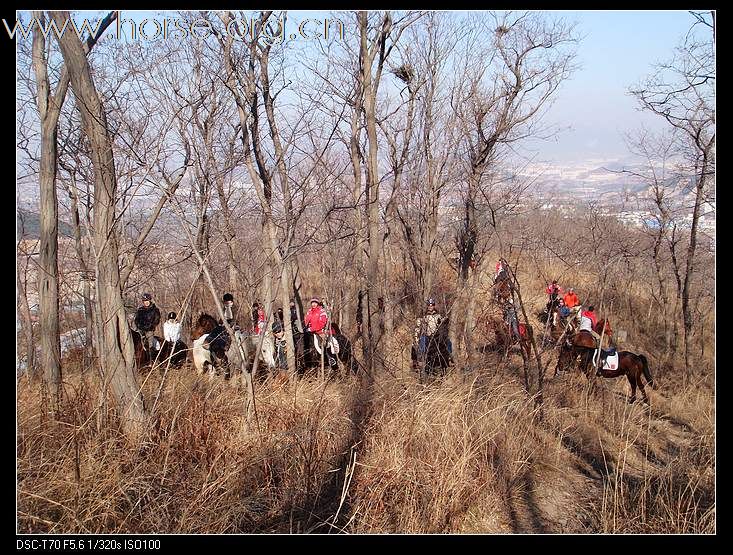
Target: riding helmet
(228, 297)
(431, 301)
(171, 315)
(147, 297)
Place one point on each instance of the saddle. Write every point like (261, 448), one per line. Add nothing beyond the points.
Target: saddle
(609, 359)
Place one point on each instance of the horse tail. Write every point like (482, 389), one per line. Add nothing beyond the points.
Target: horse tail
(647, 372)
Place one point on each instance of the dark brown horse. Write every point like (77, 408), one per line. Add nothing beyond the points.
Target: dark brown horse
(583, 345)
(437, 355)
(632, 366)
(306, 355)
(204, 324)
(502, 289)
(177, 353)
(505, 340)
(580, 345)
(143, 355)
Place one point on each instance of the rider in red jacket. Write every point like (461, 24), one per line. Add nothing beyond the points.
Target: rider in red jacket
(316, 318)
(590, 314)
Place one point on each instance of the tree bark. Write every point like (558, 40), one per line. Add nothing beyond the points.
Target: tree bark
(48, 274)
(115, 349)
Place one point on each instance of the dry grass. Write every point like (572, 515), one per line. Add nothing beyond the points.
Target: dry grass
(467, 453)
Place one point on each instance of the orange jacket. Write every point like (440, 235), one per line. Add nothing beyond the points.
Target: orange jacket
(571, 300)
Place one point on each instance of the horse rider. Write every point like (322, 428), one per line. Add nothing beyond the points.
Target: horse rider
(259, 319)
(572, 302)
(230, 311)
(281, 345)
(316, 319)
(562, 312)
(554, 291)
(500, 273)
(510, 317)
(147, 319)
(426, 327)
(316, 322)
(571, 299)
(588, 322)
(172, 329)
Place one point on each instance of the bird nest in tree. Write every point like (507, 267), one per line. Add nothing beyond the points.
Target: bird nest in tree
(405, 73)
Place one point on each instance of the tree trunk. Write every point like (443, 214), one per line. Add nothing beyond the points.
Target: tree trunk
(48, 274)
(26, 323)
(115, 349)
(689, 266)
(374, 316)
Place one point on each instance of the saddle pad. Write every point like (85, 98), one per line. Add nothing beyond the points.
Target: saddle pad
(611, 363)
(333, 345)
(522, 330)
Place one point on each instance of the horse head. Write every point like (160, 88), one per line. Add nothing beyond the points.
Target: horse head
(205, 324)
(601, 324)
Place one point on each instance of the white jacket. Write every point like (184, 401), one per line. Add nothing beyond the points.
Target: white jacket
(172, 331)
(586, 324)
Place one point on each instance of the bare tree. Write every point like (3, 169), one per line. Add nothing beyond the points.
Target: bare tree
(49, 109)
(500, 103)
(682, 92)
(115, 342)
(373, 53)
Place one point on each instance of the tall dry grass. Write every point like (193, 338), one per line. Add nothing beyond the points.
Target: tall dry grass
(466, 453)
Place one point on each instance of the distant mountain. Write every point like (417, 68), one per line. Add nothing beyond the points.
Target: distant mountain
(28, 225)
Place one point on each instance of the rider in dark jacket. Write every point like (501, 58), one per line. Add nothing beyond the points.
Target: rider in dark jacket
(147, 319)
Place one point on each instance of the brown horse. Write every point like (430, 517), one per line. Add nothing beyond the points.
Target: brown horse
(584, 345)
(632, 366)
(502, 290)
(143, 356)
(581, 344)
(204, 324)
(505, 340)
(177, 353)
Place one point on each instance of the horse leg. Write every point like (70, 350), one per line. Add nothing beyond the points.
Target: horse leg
(562, 361)
(641, 388)
(632, 381)
(227, 369)
(586, 362)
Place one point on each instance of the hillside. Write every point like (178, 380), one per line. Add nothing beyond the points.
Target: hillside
(28, 225)
(467, 453)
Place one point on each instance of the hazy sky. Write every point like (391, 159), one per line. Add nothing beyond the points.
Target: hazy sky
(617, 50)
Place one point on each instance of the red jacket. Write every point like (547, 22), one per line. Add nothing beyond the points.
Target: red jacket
(316, 319)
(553, 288)
(259, 327)
(592, 316)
